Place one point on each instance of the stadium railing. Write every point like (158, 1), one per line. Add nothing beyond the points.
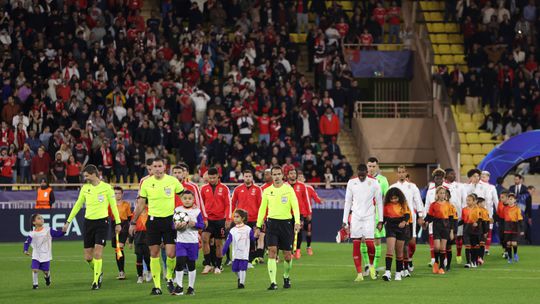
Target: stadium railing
(394, 109)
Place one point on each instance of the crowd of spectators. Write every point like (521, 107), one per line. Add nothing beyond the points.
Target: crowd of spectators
(215, 85)
(501, 46)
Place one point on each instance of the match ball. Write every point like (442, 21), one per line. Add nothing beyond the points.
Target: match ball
(180, 217)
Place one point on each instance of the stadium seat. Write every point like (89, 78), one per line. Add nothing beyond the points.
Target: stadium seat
(472, 138)
(486, 148)
(442, 38)
(475, 148)
(437, 59)
(455, 38)
(457, 49)
(470, 127)
(467, 159)
(477, 158)
(462, 138)
(430, 27)
(459, 59)
(464, 149)
(444, 49)
(466, 168)
(478, 117)
(424, 5)
(438, 28)
(451, 28)
(347, 5)
(485, 138)
(464, 117)
(447, 59)
(437, 16)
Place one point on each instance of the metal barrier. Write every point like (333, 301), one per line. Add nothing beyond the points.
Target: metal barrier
(394, 109)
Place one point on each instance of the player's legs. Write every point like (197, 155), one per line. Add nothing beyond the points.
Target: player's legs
(206, 252)
(155, 264)
(35, 280)
(431, 243)
(308, 225)
(378, 252)
(390, 248)
(442, 254)
(400, 244)
(219, 253)
(488, 241)
(436, 253)
(260, 246)
(272, 264)
(98, 263)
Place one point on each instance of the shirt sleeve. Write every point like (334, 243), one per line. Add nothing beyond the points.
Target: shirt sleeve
(228, 207)
(348, 204)
(27, 243)
(56, 233)
(234, 199)
(294, 205)
(200, 221)
(227, 244)
(378, 199)
(251, 235)
(78, 205)
(417, 199)
(142, 191)
(112, 203)
(262, 210)
(384, 187)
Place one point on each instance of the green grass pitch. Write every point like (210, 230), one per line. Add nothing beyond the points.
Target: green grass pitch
(325, 277)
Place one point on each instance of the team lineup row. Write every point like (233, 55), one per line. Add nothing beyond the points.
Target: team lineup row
(173, 213)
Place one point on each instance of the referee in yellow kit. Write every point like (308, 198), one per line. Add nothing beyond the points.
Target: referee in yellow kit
(158, 192)
(279, 200)
(98, 196)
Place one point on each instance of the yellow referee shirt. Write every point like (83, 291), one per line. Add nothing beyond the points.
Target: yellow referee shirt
(159, 194)
(97, 200)
(279, 202)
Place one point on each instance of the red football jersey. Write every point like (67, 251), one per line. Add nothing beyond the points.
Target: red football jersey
(302, 196)
(249, 199)
(216, 201)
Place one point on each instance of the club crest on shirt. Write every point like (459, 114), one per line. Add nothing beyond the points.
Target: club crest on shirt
(168, 191)
(101, 198)
(284, 199)
(369, 183)
(253, 191)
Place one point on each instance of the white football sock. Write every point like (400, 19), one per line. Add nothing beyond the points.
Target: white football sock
(179, 277)
(191, 278)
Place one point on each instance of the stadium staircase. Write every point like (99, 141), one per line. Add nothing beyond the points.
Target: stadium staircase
(447, 43)
(446, 37)
(475, 143)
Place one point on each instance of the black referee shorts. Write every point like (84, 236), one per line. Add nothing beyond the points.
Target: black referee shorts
(95, 232)
(280, 233)
(160, 229)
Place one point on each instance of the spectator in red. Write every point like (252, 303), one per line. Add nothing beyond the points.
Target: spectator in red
(342, 27)
(40, 165)
(394, 21)
(73, 170)
(366, 39)
(6, 135)
(264, 128)
(6, 167)
(10, 109)
(329, 124)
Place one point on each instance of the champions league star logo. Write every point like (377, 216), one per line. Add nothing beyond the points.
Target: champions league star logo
(101, 198)
(168, 191)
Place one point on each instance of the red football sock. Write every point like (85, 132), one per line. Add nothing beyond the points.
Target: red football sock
(357, 256)
(459, 245)
(371, 250)
(488, 241)
(431, 250)
(411, 249)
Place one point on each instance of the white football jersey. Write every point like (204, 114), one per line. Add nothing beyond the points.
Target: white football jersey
(189, 234)
(362, 198)
(240, 238)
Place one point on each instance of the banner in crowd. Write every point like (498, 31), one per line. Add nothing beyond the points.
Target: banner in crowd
(385, 64)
